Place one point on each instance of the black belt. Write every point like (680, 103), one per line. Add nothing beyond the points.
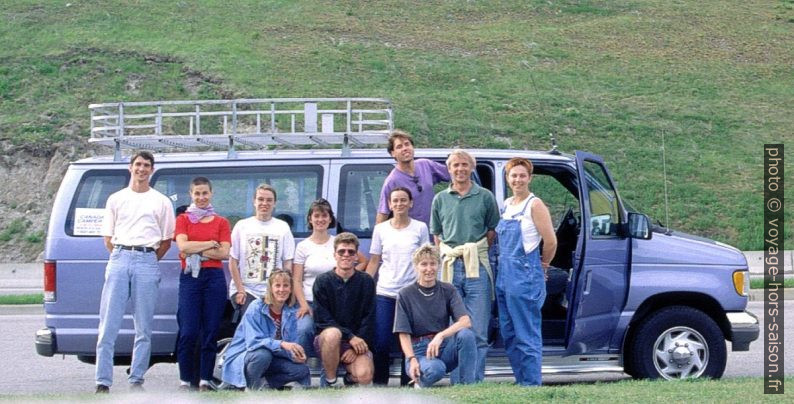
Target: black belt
(414, 340)
(136, 248)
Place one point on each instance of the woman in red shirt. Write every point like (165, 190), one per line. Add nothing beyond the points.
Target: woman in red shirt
(203, 238)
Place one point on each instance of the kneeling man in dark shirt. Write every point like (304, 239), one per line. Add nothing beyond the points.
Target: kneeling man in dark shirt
(423, 312)
(344, 316)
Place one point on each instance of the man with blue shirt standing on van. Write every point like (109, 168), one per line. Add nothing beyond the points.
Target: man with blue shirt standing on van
(417, 175)
(138, 228)
(463, 220)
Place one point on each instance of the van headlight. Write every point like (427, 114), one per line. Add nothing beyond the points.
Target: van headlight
(741, 282)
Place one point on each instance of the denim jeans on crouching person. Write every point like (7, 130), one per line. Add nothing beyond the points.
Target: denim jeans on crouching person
(306, 333)
(129, 275)
(457, 353)
(202, 301)
(278, 370)
(476, 295)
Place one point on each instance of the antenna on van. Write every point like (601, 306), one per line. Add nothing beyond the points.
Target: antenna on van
(553, 149)
(553, 145)
(664, 175)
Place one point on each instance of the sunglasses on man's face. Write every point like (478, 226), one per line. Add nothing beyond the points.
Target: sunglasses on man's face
(346, 252)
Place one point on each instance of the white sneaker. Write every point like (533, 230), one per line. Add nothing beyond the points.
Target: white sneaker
(336, 384)
(293, 386)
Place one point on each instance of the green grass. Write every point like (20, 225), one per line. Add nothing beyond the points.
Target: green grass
(628, 391)
(748, 390)
(35, 298)
(13, 229)
(758, 283)
(610, 77)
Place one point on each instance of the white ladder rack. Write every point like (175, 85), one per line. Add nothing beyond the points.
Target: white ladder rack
(249, 123)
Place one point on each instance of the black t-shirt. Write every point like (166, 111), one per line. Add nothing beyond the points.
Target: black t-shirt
(421, 311)
(347, 305)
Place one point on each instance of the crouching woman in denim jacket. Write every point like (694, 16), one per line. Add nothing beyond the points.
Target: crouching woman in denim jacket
(264, 347)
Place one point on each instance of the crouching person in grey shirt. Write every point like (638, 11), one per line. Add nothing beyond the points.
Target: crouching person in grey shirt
(422, 315)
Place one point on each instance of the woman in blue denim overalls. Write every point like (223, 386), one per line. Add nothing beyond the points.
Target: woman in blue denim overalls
(521, 280)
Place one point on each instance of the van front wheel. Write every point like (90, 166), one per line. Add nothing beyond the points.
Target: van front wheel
(677, 342)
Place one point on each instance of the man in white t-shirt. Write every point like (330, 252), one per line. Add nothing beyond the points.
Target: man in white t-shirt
(137, 229)
(261, 244)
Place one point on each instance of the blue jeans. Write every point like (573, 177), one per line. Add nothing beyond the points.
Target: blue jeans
(476, 294)
(306, 333)
(459, 354)
(202, 301)
(129, 275)
(277, 370)
(384, 338)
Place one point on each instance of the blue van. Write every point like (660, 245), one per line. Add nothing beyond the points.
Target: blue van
(624, 303)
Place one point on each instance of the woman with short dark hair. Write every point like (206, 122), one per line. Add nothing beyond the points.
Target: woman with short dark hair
(203, 238)
(393, 243)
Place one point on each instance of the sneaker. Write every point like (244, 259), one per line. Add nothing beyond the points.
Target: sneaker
(136, 387)
(102, 389)
(184, 388)
(336, 383)
(292, 386)
(348, 380)
(203, 388)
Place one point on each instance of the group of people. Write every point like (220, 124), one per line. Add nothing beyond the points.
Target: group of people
(323, 297)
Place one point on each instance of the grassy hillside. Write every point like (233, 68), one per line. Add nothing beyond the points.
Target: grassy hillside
(611, 77)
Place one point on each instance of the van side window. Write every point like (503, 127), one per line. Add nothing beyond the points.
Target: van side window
(92, 193)
(485, 176)
(554, 195)
(359, 195)
(233, 190)
(604, 210)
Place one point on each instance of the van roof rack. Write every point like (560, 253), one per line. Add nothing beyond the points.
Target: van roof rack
(249, 123)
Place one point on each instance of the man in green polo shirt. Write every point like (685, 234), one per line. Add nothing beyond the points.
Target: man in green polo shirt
(463, 219)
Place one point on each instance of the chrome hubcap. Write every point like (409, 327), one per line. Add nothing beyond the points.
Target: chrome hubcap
(680, 353)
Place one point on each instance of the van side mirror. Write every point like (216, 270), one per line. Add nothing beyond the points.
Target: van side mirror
(639, 226)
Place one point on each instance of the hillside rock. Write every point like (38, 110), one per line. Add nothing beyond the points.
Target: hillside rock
(30, 179)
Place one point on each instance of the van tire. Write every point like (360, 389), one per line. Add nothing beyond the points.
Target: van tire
(677, 342)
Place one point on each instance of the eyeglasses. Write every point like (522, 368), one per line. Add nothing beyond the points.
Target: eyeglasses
(416, 182)
(346, 252)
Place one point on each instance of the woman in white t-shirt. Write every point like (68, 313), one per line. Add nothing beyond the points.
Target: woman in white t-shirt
(314, 256)
(393, 244)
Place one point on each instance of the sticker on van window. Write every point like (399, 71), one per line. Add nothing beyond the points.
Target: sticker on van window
(88, 222)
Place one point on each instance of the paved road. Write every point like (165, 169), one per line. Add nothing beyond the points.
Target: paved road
(24, 372)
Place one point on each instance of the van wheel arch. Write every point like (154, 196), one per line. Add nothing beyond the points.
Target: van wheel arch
(699, 301)
(677, 342)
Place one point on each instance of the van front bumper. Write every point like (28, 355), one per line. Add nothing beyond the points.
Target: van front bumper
(744, 330)
(45, 342)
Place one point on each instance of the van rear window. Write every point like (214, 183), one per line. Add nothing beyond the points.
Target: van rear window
(233, 190)
(84, 218)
